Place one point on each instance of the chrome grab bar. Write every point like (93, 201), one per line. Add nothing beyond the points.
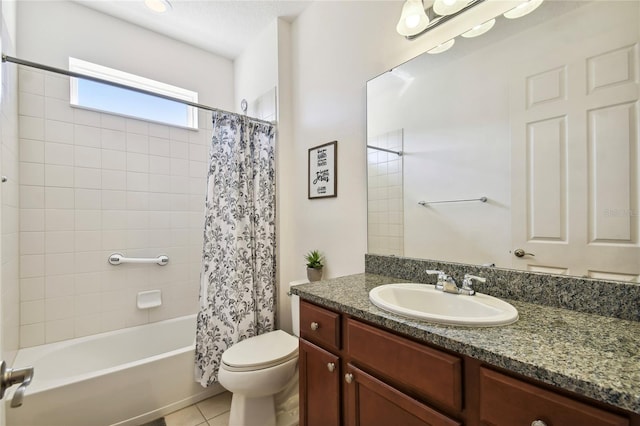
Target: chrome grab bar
(118, 258)
(426, 203)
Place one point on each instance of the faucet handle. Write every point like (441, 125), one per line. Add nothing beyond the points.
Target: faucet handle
(467, 282)
(442, 276)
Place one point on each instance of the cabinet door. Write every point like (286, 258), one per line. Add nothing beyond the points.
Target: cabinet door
(319, 386)
(371, 402)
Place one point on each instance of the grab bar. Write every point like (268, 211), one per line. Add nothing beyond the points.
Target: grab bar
(118, 258)
(390, 151)
(426, 203)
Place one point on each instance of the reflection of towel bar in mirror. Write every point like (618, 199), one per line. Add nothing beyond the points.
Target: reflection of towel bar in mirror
(426, 203)
(398, 153)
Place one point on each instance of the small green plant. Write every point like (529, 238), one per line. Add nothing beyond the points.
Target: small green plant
(314, 259)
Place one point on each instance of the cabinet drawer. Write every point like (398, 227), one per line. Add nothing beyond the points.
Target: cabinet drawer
(319, 325)
(508, 401)
(428, 372)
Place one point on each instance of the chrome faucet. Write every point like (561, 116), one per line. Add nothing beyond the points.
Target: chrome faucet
(14, 376)
(447, 284)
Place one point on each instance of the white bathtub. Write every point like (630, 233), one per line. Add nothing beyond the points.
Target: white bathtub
(124, 377)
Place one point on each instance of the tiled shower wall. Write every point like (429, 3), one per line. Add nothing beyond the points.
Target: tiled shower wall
(384, 189)
(92, 184)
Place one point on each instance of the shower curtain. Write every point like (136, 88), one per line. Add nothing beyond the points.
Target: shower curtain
(237, 280)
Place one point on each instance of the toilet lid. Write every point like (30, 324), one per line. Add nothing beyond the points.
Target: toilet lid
(263, 351)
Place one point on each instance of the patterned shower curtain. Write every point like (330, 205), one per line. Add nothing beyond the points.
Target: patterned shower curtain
(237, 280)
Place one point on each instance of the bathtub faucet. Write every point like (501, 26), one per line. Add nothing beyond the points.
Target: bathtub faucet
(14, 376)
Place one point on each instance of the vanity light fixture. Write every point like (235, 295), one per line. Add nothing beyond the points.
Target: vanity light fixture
(158, 6)
(479, 29)
(523, 9)
(413, 19)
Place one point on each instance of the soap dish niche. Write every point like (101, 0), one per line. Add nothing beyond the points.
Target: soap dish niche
(149, 299)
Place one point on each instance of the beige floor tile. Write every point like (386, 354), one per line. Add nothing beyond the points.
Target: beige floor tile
(221, 420)
(189, 416)
(215, 405)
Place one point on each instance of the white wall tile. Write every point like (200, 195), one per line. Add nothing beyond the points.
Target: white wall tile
(137, 162)
(197, 169)
(112, 320)
(57, 308)
(159, 146)
(159, 183)
(32, 174)
(113, 122)
(31, 197)
(58, 330)
(90, 261)
(87, 136)
(86, 117)
(87, 178)
(88, 240)
(60, 154)
(88, 325)
(59, 286)
(60, 176)
(114, 200)
(31, 128)
(159, 130)
(31, 105)
(31, 242)
(178, 184)
(159, 165)
(59, 220)
(87, 304)
(88, 199)
(113, 139)
(57, 87)
(87, 157)
(88, 220)
(58, 131)
(32, 335)
(32, 312)
(59, 198)
(88, 282)
(114, 180)
(59, 242)
(31, 151)
(137, 143)
(114, 160)
(115, 240)
(31, 219)
(58, 110)
(179, 150)
(137, 201)
(179, 134)
(114, 219)
(59, 264)
(137, 126)
(137, 181)
(31, 288)
(31, 81)
(32, 265)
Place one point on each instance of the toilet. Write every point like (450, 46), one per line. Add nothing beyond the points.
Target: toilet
(262, 374)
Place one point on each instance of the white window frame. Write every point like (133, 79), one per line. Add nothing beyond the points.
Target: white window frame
(110, 74)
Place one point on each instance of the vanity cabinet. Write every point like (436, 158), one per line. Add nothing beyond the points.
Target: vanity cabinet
(356, 374)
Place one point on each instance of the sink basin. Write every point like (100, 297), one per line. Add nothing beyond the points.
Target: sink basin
(424, 302)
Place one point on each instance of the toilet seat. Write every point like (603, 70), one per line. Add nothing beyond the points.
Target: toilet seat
(259, 352)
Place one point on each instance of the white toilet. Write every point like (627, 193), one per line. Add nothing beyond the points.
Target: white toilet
(262, 374)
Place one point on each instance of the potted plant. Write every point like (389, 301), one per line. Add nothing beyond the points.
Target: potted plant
(314, 265)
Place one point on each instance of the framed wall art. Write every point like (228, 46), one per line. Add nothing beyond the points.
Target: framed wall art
(323, 167)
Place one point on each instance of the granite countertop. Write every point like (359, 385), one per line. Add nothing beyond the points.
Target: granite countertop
(591, 355)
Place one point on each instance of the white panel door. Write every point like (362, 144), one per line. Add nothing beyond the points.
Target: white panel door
(575, 155)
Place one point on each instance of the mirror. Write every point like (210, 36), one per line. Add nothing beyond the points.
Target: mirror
(540, 116)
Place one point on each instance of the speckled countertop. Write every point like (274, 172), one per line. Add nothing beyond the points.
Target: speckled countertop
(591, 355)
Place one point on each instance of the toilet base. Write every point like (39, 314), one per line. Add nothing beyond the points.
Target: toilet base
(258, 411)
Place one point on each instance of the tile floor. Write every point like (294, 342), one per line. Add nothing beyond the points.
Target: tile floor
(210, 412)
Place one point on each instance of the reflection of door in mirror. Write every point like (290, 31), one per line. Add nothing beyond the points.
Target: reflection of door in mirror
(385, 231)
(574, 124)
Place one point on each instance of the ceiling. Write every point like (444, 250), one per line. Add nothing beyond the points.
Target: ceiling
(223, 27)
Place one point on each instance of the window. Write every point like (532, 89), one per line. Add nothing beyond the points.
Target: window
(103, 97)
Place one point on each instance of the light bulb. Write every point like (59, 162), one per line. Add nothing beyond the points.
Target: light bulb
(158, 6)
(413, 19)
(448, 7)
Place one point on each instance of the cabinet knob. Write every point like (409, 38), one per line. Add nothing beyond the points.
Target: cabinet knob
(538, 423)
(348, 377)
(315, 326)
(331, 366)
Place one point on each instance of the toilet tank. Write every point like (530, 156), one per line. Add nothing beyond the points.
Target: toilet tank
(295, 307)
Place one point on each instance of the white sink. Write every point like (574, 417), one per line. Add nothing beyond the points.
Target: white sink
(424, 302)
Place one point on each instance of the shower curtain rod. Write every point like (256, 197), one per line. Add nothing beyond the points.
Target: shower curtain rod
(6, 58)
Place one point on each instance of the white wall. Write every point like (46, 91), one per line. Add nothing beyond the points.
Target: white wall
(96, 183)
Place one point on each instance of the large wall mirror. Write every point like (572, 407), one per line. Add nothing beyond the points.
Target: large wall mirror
(540, 116)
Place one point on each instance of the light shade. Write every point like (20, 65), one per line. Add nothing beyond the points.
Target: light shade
(523, 9)
(442, 47)
(479, 29)
(413, 19)
(447, 7)
(158, 6)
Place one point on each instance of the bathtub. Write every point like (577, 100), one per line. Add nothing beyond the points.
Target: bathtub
(123, 377)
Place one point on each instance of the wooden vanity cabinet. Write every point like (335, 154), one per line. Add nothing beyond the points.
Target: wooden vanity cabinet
(356, 374)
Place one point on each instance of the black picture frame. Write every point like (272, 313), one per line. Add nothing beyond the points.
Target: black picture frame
(323, 171)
